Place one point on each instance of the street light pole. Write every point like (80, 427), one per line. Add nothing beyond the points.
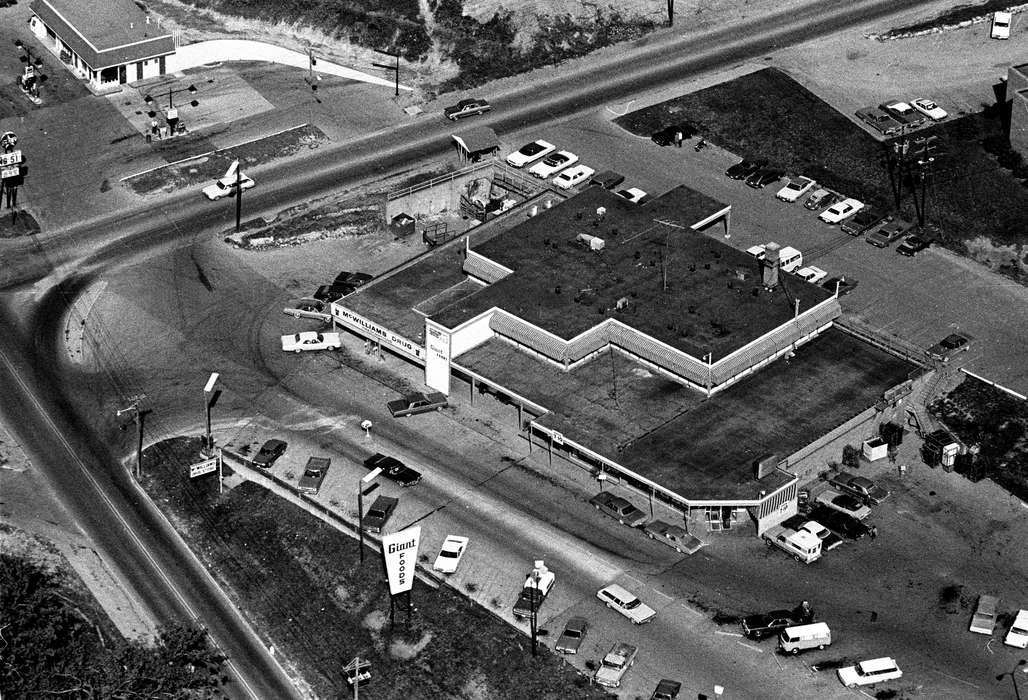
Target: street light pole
(361, 493)
(138, 416)
(535, 607)
(209, 397)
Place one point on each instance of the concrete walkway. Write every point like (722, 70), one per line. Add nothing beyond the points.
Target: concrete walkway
(218, 50)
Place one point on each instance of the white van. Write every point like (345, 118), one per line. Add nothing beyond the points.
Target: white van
(802, 637)
(790, 259)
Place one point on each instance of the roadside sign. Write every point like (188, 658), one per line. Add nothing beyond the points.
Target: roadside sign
(400, 550)
(205, 467)
(7, 173)
(12, 158)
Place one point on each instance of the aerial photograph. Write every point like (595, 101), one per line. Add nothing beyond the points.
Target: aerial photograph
(514, 349)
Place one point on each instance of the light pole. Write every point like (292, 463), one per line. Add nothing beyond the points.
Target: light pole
(210, 397)
(535, 606)
(171, 104)
(1013, 678)
(361, 493)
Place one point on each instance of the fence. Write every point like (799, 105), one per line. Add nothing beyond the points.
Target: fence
(890, 343)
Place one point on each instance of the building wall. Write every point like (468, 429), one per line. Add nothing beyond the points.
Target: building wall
(1019, 122)
(472, 335)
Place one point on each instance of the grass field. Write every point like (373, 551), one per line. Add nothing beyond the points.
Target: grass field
(299, 582)
(977, 206)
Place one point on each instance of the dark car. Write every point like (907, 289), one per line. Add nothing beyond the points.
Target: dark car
(744, 168)
(332, 292)
(379, 513)
(314, 474)
(880, 120)
(864, 220)
(949, 347)
(666, 136)
(846, 285)
(839, 523)
(351, 279)
(467, 108)
(607, 179)
(888, 233)
(571, 638)
(621, 509)
(666, 690)
(412, 404)
(767, 624)
(393, 469)
(912, 245)
(269, 452)
(764, 177)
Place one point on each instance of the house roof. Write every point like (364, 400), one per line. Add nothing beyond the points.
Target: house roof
(107, 33)
(477, 139)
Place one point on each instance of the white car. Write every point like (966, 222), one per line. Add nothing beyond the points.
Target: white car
(795, 188)
(311, 340)
(757, 251)
(530, 152)
(226, 187)
(450, 554)
(617, 598)
(1018, 634)
(553, 163)
(841, 210)
(632, 194)
(573, 176)
(1001, 25)
(811, 274)
(929, 109)
(870, 672)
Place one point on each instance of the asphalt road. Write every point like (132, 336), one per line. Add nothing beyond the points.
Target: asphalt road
(95, 484)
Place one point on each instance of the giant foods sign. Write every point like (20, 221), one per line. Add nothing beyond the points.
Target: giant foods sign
(400, 550)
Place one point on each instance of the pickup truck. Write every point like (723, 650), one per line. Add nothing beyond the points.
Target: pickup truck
(537, 586)
(802, 545)
(615, 664)
(984, 619)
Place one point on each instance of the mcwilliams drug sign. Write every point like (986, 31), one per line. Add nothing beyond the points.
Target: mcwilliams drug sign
(400, 550)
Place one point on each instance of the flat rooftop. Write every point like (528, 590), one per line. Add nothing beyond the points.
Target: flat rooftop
(702, 449)
(677, 285)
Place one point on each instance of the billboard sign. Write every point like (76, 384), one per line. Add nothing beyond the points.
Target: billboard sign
(437, 359)
(400, 550)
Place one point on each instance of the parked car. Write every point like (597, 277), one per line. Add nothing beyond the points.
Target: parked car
(574, 175)
(226, 187)
(311, 340)
(467, 108)
(314, 474)
(841, 210)
(570, 640)
(870, 672)
(666, 136)
(632, 194)
(889, 232)
(530, 152)
(949, 347)
(860, 486)
(607, 179)
(929, 109)
(306, 305)
(393, 469)
(757, 251)
(379, 513)
(1001, 25)
(904, 113)
(553, 163)
(1018, 634)
(617, 598)
(538, 585)
(328, 293)
(351, 279)
(764, 177)
(795, 188)
(619, 508)
(678, 538)
(844, 503)
(819, 198)
(879, 120)
(864, 220)
(666, 690)
(744, 168)
(767, 624)
(450, 554)
(811, 274)
(829, 540)
(845, 284)
(270, 451)
(413, 404)
(912, 245)
(838, 522)
(615, 664)
(983, 621)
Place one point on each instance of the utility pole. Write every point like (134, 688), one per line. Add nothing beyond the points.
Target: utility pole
(924, 165)
(239, 197)
(361, 493)
(138, 417)
(670, 13)
(395, 68)
(897, 164)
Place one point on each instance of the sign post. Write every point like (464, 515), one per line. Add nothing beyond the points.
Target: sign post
(363, 489)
